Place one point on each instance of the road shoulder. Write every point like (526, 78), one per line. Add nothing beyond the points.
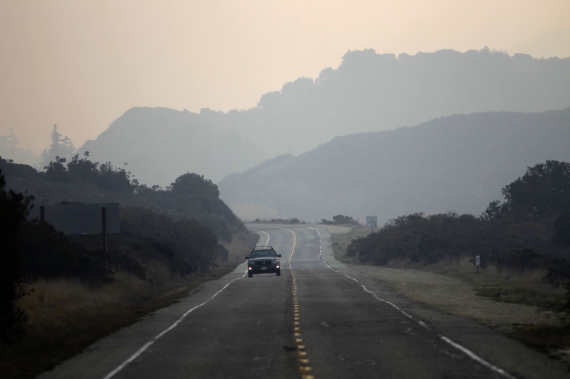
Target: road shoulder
(483, 340)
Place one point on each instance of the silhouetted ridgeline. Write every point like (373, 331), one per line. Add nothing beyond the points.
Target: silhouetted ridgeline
(160, 143)
(455, 163)
(368, 92)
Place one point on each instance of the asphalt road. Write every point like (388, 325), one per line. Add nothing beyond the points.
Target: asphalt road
(318, 319)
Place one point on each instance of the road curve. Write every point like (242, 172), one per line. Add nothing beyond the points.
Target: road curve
(319, 319)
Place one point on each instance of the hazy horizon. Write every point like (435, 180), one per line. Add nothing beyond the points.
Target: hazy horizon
(82, 65)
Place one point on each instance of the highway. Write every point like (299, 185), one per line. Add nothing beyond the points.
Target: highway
(319, 319)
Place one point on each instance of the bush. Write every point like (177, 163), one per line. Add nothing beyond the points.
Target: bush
(523, 260)
(103, 176)
(340, 220)
(123, 262)
(429, 239)
(192, 246)
(13, 211)
(47, 253)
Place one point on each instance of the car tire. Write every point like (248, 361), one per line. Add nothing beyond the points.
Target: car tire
(250, 274)
(278, 272)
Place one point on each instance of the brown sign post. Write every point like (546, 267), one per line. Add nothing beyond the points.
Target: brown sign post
(104, 227)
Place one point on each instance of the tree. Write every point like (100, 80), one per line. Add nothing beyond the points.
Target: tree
(83, 169)
(194, 184)
(114, 179)
(59, 147)
(9, 149)
(104, 175)
(493, 210)
(543, 191)
(9, 143)
(14, 209)
(56, 171)
(340, 219)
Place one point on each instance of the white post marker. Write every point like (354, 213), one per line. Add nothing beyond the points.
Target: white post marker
(477, 262)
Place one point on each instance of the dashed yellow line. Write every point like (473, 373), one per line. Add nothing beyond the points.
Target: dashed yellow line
(304, 365)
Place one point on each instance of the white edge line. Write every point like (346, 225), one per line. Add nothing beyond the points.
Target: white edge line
(477, 358)
(459, 347)
(155, 338)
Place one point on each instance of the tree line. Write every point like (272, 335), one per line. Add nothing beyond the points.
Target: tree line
(530, 229)
(81, 180)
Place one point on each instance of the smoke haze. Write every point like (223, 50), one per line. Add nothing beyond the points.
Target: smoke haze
(367, 92)
(81, 65)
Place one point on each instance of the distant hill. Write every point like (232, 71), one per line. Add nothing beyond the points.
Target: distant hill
(368, 92)
(455, 163)
(159, 143)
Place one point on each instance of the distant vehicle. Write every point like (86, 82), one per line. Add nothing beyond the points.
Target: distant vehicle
(263, 259)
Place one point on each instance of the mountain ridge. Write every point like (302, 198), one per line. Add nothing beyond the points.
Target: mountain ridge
(455, 163)
(367, 92)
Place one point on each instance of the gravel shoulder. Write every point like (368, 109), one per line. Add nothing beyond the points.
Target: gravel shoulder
(446, 293)
(457, 297)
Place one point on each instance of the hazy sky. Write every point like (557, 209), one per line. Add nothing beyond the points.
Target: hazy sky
(81, 64)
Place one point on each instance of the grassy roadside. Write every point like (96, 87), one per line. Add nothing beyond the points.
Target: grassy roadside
(508, 286)
(66, 316)
(505, 286)
(341, 238)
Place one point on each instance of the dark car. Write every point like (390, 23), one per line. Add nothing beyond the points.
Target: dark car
(262, 260)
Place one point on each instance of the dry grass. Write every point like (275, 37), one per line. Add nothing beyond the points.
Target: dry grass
(65, 316)
(341, 238)
(61, 304)
(517, 303)
(238, 249)
(519, 287)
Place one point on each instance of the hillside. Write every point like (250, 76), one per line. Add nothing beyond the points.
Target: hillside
(456, 163)
(159, 143)
(190, 196)
(368, 92)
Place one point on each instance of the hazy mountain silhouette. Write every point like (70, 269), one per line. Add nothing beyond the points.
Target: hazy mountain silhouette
(368, 92)
(159, 143)
(456, 163)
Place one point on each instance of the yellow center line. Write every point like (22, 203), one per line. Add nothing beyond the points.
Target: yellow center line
(304, 368)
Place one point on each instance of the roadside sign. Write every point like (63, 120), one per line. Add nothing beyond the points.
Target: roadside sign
(80, 218)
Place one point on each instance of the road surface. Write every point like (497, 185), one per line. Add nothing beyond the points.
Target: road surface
(319, 319)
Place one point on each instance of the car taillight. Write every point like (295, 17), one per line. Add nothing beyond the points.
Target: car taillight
(250, 268)
(277, 266)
